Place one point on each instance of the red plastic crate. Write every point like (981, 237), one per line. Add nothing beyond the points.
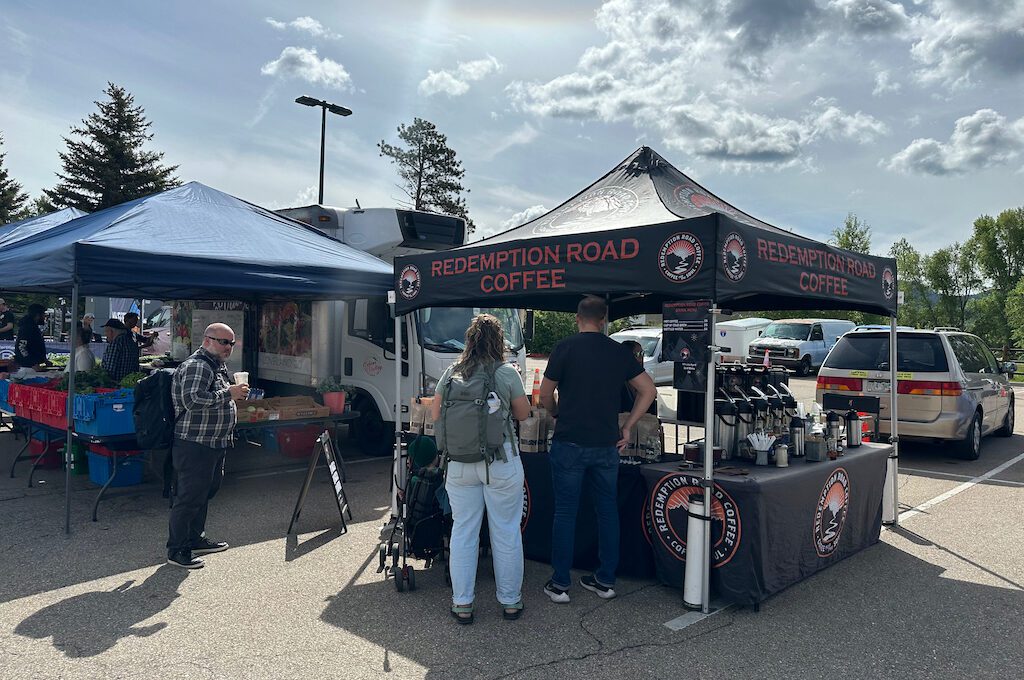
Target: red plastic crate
(51, 452)
(297, 441)
(51, 402)
(101, 450)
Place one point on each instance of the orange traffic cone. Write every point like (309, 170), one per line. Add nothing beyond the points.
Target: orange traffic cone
(536, 387)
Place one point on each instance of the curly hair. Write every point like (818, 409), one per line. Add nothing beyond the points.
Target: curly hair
(485, 345)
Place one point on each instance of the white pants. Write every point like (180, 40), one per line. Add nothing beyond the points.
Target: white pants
(469, 494)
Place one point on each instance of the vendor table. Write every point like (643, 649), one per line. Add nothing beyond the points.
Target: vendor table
(119, 443)
(772, 527)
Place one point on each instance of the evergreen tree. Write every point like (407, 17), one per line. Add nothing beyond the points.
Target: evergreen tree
(107, 165)
(430, 172)
(12, 198)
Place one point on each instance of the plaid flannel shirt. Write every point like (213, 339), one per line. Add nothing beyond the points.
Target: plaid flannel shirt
(202, 402)
(121, 357)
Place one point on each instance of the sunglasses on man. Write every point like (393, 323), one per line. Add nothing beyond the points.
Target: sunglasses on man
(222, 341)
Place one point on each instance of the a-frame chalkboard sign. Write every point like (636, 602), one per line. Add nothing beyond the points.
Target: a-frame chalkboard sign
(325, 447)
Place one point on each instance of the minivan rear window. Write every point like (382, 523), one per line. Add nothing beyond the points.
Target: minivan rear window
(870, 352)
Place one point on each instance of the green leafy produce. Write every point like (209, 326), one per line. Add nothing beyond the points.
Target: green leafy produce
(91, 379)
(332, 384)
(132, 379)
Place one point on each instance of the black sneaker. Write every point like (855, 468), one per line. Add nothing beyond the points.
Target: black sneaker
(602, 591)
(184, 559)
(555, 593)
(205, 546)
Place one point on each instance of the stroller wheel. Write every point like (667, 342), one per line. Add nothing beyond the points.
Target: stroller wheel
(382, 554)
(410, 576)
(395, 552)
(399, 582)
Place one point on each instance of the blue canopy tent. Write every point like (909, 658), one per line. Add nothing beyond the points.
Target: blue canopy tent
(191, 242)
(16, 231)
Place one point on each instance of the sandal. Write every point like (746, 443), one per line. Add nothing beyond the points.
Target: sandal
(512, 612)
(460, 612)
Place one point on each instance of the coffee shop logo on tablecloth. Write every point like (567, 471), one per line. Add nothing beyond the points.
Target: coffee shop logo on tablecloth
(830, 516)
(526, 506)
(734, 257)
(680, 257)
(669, 502)
(410, 281)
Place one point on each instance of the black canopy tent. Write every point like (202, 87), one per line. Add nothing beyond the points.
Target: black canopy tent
(642, 235)
(190, 242)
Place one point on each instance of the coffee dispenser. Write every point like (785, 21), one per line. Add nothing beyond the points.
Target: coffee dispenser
(725, 426)
(853, 428)
(797, 432)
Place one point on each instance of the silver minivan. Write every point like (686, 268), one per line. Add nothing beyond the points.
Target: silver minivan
(950, 386)
(799, 344)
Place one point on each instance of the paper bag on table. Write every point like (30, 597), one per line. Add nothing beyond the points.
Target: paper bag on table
(631, 446)
(529, 435)
(416, 415)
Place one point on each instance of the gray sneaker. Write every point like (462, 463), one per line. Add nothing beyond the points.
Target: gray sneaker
(602, 591)
(555, 593)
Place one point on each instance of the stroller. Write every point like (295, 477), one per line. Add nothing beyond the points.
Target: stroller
(423, 526)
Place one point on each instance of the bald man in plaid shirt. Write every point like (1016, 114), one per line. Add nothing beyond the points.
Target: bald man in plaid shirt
(204, 406)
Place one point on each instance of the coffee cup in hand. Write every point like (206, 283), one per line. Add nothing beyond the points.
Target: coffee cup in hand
(242, 378)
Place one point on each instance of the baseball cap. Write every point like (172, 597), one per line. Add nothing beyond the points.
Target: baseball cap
(113, 323)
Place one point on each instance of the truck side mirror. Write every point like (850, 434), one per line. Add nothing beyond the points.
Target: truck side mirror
(529, 326)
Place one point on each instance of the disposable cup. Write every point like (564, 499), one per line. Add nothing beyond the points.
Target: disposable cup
(242, 378)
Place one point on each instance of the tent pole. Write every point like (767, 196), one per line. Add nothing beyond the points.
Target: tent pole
(890, 495)
(397, 469)
(709, 461)
(68, 448)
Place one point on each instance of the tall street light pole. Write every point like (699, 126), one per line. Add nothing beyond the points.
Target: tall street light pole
(325, 106)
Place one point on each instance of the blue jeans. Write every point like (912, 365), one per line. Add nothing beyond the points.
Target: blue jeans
(469, 493)
(570, 465)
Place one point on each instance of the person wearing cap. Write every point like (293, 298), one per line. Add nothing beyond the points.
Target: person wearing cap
(7, 321)
(131, 322)
(87, 320)
(122, 354)
(29, 348)
(205, 417)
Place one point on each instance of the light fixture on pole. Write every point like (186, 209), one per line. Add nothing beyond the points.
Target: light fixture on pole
(325, 107)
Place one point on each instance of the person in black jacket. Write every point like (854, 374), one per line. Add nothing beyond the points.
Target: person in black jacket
(29, 348)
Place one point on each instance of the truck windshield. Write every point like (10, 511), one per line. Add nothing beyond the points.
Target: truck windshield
(787, 331)
(443, 329)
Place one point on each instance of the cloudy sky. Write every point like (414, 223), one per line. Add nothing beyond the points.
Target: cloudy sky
(909, 113)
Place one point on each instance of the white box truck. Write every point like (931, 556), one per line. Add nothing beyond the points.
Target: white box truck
(737, 334)
(301, 344)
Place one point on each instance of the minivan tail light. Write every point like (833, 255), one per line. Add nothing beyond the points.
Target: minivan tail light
(933, 388)
(840, 384)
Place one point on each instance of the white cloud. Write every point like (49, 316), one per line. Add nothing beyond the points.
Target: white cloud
(455, 82)
(523, 216)
(871, 17)
(302, 63)
(884, 83)
(523, 135)
(305, 24)
(984, 139)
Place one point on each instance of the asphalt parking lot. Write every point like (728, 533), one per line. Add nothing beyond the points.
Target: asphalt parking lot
(941, 596)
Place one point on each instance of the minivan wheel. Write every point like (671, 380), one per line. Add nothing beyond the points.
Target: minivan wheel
(804, 368)
(970, 447)
(1007, 429)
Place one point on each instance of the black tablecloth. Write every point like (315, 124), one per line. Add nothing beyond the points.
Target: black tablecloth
(773, 526)
(635, 557)
(780, 525)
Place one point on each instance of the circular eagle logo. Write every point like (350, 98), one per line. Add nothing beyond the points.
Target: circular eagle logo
(734, 257)
(830, 515)
(680, 257)
(668, 507)
(410, 282)
(600, 204)
(888, 283)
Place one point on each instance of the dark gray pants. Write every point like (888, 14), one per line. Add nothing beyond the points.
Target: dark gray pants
(199, 471)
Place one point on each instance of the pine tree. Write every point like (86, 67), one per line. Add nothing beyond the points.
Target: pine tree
(107, 164)
(431, 173)
(12, 198)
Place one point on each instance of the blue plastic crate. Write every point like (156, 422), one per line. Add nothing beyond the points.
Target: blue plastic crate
(129, 470)
(5, 386)
(105, 414)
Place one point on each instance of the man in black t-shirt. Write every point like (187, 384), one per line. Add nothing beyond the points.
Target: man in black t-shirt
(7, 321)
(588, 370)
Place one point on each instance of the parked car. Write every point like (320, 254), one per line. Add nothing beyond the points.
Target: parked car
(799, 344)
(950, 386)
(649, 338)
(159, 322)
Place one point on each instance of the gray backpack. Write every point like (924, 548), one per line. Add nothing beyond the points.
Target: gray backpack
(467, 432)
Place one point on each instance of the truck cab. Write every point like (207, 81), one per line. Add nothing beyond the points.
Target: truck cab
(354, 340)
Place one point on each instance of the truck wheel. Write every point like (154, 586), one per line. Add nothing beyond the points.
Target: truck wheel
(373, 436)
(804, 368)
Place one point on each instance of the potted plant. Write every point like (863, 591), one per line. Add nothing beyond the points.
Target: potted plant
(334, 393)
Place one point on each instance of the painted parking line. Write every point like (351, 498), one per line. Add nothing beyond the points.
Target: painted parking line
(951, 475)
(974, 481)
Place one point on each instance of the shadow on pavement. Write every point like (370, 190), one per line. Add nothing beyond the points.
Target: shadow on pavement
(91, 623)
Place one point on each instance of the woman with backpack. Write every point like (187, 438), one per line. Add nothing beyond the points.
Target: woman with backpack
(481, 393)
